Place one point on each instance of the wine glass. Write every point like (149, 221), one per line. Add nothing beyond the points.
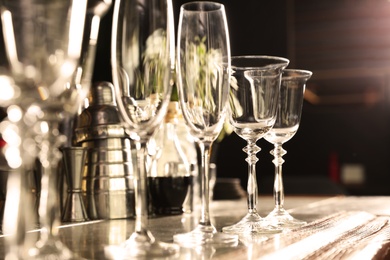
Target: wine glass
(43, 44)
(253, 101)
(287, 122)
(203, 74)
(142, 57)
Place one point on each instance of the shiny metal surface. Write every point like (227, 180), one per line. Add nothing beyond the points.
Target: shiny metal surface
(112, 204)
(110, 142)
(74, 161)
(338, 228)
(99, 132)
(98, 155)
(107, 182)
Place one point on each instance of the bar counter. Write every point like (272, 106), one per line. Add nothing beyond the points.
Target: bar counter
(339, 227)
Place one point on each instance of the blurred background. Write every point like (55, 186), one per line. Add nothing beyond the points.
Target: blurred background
(342, 143)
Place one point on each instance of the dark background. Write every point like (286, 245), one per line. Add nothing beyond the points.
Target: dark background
(346, 125)
(342, 43)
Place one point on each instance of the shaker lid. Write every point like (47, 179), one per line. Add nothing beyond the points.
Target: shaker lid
(102, 93)
(101, 118)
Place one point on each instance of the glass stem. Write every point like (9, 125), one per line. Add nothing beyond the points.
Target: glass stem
(140, 190)
(252, 149)
(49, 155)
(205, 148)
(48, 206)
(278, 153)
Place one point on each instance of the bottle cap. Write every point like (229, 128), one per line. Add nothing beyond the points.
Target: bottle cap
(173, 112)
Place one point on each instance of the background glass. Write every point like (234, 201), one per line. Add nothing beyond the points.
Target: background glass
(287, 122)
(43, 45)
(203, 65)
(254, 90)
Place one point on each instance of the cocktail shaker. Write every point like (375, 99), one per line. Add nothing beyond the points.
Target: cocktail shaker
(108, 178)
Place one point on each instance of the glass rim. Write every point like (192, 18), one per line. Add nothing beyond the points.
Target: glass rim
(298, 73)
(255, 59)
(202, 6)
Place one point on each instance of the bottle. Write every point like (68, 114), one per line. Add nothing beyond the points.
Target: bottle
(188, 144)
(171, 176)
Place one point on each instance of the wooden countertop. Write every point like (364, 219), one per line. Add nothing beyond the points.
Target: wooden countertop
(340, 227)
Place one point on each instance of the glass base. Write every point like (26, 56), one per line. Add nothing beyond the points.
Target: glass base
(252, 223)
(141, 246)
(281, 218)
(51, 249)
(205, 235)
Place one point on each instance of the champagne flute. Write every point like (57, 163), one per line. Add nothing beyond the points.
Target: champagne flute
(253, 101)
(287, 122)
(203, 74)
(142, 57)
(43, 44)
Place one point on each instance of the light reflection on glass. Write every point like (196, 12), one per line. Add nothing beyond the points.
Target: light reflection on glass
(13, 158)
(79, 8)
(10, 134)
(8, 32)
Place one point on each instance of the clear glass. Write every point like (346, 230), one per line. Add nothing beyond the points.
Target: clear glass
(142, 57)
(254, 91)
(96, 9)
(43, 44)
(287, 122)
(203, 65)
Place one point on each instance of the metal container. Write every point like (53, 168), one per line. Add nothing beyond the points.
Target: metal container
(108, 177)
(74, 162)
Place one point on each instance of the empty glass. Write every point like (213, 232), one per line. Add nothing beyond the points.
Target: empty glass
(287, 122)
(254, 91)
(203, 70)
(43, 44)
(142, 57)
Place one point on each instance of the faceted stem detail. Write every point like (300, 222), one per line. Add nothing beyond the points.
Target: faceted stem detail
(278, 153)
(252, 149)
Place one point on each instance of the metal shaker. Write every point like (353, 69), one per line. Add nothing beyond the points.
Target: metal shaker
(108, 179)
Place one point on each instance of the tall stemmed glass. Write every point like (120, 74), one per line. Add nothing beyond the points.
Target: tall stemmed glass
(253, 101)
(142, 57)
(203, 75)
(43, 43)
(287, 122)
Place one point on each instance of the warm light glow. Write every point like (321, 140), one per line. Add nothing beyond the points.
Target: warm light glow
(67, 69)
(9, 90)
(94, 29)
(44, 126)
(12, 205)
(30, 71)
(9, 133)
(12, 155)
(43, 92)
(34, 109)
(14, 113)
(9, 39)
(76, 27)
